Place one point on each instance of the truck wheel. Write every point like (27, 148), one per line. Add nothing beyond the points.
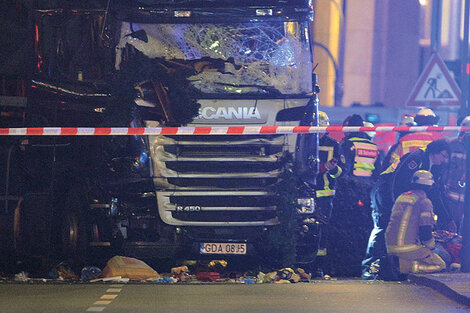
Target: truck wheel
(30, 232)
(73, 236)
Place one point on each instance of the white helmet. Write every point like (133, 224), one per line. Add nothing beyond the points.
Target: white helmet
(323, 119)
(422, 177)
(372, 133)
(425, 117)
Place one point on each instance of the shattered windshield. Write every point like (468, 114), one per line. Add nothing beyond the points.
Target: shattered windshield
(252, 58)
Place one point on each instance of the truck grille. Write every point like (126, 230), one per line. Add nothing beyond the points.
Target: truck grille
(217, 180)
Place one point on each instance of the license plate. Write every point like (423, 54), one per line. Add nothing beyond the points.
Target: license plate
(223, 248)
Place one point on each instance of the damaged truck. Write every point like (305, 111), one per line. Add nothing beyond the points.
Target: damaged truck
(163, 63)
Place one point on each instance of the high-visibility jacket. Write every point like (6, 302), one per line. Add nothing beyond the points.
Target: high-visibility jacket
(411, 210)
(411, 142)
(361, 155)
(326, 182)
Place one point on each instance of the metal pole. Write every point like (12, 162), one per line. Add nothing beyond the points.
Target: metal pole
(465, 104)
(436, 25)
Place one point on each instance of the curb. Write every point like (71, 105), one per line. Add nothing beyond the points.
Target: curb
(440, 287)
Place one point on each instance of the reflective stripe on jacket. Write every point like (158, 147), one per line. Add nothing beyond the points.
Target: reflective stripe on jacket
(411, 142)
(411, 210)
(326, 182)
(366, 153)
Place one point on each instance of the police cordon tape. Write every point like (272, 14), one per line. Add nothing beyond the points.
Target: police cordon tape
(216, 130)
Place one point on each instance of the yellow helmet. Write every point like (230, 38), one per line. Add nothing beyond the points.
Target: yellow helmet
(422, 177)
(323, 119)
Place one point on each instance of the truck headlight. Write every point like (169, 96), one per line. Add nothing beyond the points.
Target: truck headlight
(306, 205)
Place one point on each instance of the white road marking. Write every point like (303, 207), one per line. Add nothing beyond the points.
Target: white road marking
(102, 302)
(96, 309)
(106, 298)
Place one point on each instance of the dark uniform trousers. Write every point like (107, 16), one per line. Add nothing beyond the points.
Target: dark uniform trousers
(381, 203)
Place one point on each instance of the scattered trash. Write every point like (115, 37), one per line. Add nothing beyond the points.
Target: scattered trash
(249, 281)
(304, 277)
(22, 276)
(90, 272)
(270, 277)
(62, 271)
(180, 273)
(288, 274)
(120, 269)
(166, 280)
(218, 266)
(116, 279)
(131, 268)
(208, 276)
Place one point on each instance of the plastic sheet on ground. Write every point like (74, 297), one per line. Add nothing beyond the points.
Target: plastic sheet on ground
(131, 268)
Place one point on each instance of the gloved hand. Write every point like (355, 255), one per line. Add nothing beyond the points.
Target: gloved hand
(331, 164)
(328, 166)
(430, 244)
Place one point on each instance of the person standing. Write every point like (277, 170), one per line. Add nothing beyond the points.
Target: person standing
(330, 169)
(406, 121)
(409, 233)
(454, 175)
(361, 154)
(415, 140)
(361, 167)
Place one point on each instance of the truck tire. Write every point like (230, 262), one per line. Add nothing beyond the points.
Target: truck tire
(30, 228)
(73, 231)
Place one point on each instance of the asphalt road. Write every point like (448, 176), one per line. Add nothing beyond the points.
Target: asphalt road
(318, 296)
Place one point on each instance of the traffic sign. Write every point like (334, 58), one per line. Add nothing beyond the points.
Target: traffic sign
(435, 86)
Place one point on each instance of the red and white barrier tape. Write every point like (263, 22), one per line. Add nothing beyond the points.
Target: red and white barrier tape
(215, 130)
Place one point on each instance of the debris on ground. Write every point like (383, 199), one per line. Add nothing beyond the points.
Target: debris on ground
(218, 266)
(181, 273)
(131, 268)
(166, 280)
(120, 269)
(63, 271)
(22, 276)
(90, 272)
(114, 279)
(304, 276)
(207, 276)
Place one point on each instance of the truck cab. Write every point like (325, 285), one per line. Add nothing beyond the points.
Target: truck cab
(167, 63)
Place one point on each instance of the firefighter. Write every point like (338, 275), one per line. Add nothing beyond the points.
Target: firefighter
(454, 175)
(431, 158)
(415, 140)
(330, 169)
(409, 233)
(407, 120)
(361, 154)
(391, 183)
